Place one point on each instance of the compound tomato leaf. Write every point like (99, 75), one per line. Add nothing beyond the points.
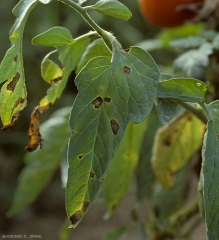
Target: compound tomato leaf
(184, 89)
(13, 93)
(174, 145)
(41, 165)
(210, 155)
(112, 8)
(69, 56)
(99, 117)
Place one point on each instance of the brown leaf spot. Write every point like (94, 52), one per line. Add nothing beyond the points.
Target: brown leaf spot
(92, 174)
(12, 84)
(127, 70)
(13, 121)
(115, 126)
(127, 49)
(86, 205)
(55, 80)
(168, 141)
(75, 218)
(80, 157)
(97, 102)
(15, 58)
(106, 99)
(19, 101)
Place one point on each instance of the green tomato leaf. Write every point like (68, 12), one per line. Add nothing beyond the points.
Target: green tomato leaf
(94, 49)
(13, 93)
(166, 109)
(123, 165)
(189, 42)
(54, 37)
(166, 201)
(194, 62)
(117, 234)
(69, 56)
(12, 100)
(174, 144)
(216, 42)
(210, 156)
(57, 77)
(41, 165)
(50, 71)
(185, 89)
(112, 8)
(110, 92)
(145, 173)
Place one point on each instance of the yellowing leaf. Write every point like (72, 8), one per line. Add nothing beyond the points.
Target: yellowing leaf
(174, 145)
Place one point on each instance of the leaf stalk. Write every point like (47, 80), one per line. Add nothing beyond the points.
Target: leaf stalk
(107, 37)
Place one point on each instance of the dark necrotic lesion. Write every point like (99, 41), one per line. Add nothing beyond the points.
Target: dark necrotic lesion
(11, 86)
(115, 126)
(126, 69)
(97, 102)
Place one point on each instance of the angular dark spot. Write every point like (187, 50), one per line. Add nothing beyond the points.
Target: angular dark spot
(127, 70)
(97, 102)
(106, 99)
(19, 101)
(168, 141)
(115, 126)
(15, 58)
(80, 157)
(86, 205)
(12, 84)
(92, 174)
(13, 121)
(75, 218)
(55, 80)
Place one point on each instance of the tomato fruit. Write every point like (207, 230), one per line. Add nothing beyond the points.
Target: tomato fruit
(166, 13)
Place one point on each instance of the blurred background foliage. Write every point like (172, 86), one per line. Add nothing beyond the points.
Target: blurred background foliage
(50, 204)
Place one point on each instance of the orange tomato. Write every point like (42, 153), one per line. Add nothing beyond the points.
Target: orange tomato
(166, 13)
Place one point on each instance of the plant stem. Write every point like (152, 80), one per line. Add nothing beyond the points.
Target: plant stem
(198, 113)
(182, 216)
(208, 111)
(108, 37)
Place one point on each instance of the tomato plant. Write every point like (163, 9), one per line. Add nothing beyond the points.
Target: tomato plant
(113, 128)
(167, 13)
